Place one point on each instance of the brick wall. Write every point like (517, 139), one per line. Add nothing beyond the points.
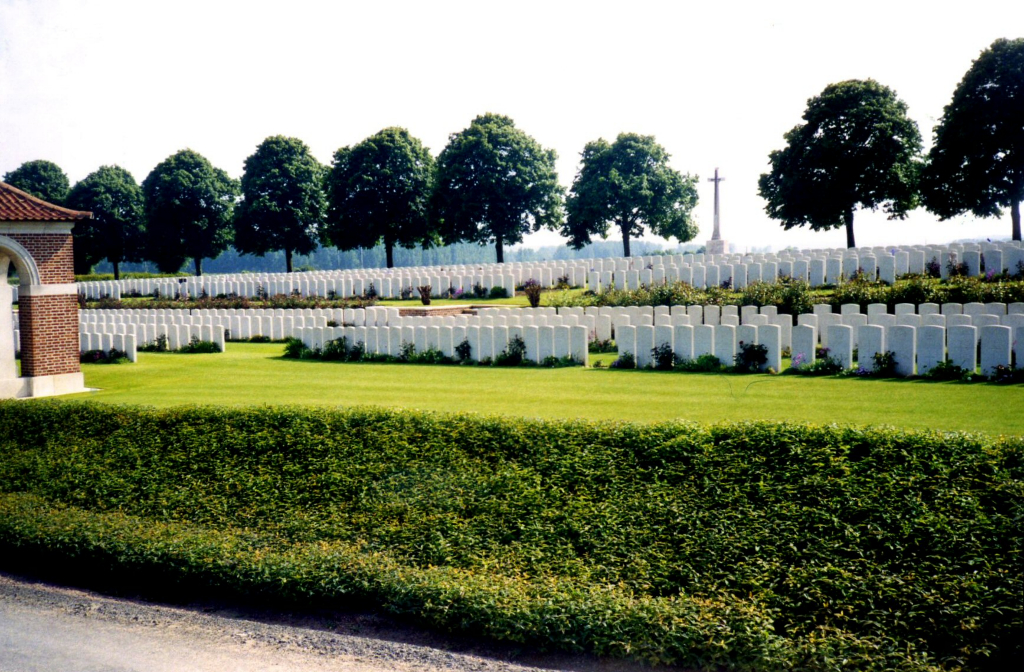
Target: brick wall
(49, 335)
(53, 255)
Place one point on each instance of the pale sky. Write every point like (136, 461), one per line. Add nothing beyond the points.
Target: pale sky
(89, 83)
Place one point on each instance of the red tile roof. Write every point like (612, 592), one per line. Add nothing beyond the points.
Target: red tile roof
(18, 206)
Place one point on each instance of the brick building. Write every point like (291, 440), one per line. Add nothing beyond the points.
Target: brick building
(35, 236)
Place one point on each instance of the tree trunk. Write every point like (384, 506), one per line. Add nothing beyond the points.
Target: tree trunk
(848, 218)
(287, 260)
(1015, 219)
(625, 242)
(389, 251)
(499, 247)
(117, 266)
(199, 266)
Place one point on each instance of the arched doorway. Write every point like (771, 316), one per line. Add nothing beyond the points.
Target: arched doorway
(35, 236)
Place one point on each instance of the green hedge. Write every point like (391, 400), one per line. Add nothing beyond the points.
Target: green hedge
(794, 297)
(755, 546)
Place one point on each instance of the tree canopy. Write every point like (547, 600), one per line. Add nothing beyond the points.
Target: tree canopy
(494, 185)
(283, 204)
(856, 148)
(378, 191)
(116, 231)
(629, 184)
(188, 211)
(977, 160)
(42, 179)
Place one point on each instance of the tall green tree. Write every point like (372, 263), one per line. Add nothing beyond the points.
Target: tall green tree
(378, 192)
(188, 211)
(856, 148)
(494, 185)
(629, 183)
(42, 179)
(116, 231)
(977, 160)
(283, 204)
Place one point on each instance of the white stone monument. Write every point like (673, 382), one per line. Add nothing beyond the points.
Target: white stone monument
(716, 245)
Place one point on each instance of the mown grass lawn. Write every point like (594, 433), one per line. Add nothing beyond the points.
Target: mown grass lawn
(256, 374)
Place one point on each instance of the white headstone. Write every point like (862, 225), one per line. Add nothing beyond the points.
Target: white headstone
(725, 343)
(931, 348)
(963, 346)
(625, 340)
(682, 341)
(770, 336)
(805, 343)
(703, 340)
(996, 344)
(902, 341)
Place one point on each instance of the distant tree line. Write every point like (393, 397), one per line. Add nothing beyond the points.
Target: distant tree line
(382, 201)
(390, 202)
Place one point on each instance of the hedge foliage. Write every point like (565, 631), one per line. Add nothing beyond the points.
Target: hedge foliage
(750, 546)
(794, 297)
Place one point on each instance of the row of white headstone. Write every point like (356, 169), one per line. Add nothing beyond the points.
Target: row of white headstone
(600, 322)
(915, 349)
(817, 266)
(485, 342)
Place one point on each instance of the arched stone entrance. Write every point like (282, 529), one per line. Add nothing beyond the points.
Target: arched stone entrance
(35, 236)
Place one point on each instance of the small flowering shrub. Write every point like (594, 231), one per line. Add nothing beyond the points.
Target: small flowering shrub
(625, 361)
(600, 347)
(946, 370)
(513, 354)
(199, 346)
(703, 364)
(464, 351)
(1007, 375)
(424, 292)
(884, 364)
(159, 344)
(750, 357)
(662, 357)
(532, 290)
(823, 365)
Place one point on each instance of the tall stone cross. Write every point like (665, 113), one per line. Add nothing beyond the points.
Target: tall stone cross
(717, 235)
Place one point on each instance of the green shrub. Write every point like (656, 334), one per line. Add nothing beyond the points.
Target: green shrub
(750, 358)
(748, 546)
(112, 356)
(703, 364)
(198, 346)
(294, 348)
(464, 351)
(159, 344)
(947, 370)
(662, 357)
(791, 296)
(883, 364)
(513, 354)
(626, 360)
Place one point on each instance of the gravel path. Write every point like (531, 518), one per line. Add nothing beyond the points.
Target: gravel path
(44, 627)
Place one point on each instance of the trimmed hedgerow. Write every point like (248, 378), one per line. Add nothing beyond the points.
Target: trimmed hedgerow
(752, 546)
